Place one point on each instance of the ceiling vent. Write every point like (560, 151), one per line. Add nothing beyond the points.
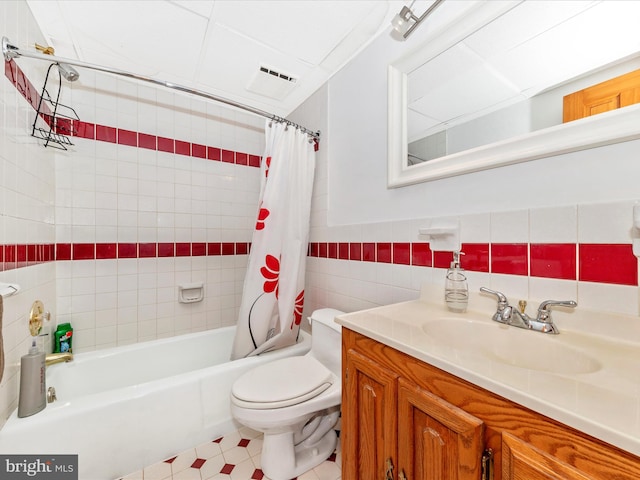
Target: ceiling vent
(272, 83)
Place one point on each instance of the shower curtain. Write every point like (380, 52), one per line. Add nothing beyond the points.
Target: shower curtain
(273, 293)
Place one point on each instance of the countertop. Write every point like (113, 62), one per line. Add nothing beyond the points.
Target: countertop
(603, 401)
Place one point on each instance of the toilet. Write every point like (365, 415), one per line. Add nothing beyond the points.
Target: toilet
(295, 402)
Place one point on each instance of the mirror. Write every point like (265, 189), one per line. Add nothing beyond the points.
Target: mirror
(486, 89)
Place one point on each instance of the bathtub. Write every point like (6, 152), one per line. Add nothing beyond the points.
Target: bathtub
(125, 408)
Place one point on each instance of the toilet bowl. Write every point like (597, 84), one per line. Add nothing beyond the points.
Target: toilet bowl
(295, 402)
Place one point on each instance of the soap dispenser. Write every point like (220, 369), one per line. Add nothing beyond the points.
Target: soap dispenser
(456, 290)
(32, 398)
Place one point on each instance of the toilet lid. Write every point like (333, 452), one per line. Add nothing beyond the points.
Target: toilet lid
(282, 383)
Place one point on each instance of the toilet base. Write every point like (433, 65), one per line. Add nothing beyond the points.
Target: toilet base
(282, 460)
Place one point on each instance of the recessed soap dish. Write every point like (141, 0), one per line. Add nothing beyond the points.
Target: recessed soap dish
(191, 292)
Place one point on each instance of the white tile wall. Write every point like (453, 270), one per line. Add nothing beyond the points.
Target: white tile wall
(27, 194)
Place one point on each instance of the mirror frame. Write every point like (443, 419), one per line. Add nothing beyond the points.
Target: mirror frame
(604, 129)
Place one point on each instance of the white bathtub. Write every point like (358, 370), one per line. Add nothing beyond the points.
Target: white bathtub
(125, 408)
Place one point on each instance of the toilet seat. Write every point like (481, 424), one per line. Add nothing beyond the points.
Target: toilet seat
(270, 385)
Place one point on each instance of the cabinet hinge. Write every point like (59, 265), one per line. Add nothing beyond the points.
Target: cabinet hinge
(487, 464)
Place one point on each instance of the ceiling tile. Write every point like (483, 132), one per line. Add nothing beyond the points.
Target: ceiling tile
(305, 30)
(147, 37)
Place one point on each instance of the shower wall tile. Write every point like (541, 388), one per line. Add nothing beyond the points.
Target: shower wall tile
(27, 200)
(152, 177)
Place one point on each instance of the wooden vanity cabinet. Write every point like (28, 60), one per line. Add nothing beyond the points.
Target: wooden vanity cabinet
(405, 419)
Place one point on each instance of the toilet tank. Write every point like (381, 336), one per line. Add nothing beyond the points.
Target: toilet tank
(326, 339)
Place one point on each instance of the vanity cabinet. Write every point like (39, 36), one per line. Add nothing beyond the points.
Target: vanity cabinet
(405, 419)
(393, 428)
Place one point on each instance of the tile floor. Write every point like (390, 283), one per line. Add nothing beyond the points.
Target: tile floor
(235, 456)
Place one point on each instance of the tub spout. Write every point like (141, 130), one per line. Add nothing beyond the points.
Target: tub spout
(58, 358)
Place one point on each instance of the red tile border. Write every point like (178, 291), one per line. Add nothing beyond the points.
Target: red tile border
(476, 257)
(214, 248)
(213, 153)
(228, 248)
(106, 250)
(127, 137)
(106, 134)
(166, 145)
(355, 251)
(166, 250)
(442, 259)
(183, 249)
(608, 263)
(127, 250)
(553, 261)
(402, 253)
(601, 263)
(510, 258)
(84, 130)
(63, 251)
(228, 156)
(199, 151)
(369, 252)
(183, 148)
(421, 255)
(147, 250)
(198, 249)
(343, 251)
(147, 141)
(84, 251)
(383, 252)
(242, 158)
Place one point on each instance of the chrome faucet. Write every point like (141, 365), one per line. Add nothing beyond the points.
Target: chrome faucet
(509, 315)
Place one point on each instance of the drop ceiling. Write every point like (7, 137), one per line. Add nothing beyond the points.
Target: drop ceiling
(219, 46)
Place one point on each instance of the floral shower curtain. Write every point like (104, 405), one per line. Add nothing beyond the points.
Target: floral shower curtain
(273, 293)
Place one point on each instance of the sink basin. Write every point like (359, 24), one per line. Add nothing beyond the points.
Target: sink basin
(510, 345)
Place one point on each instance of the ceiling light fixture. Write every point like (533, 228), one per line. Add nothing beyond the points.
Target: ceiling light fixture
(406, 21)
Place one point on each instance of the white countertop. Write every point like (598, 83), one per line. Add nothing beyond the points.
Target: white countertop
(602, 401)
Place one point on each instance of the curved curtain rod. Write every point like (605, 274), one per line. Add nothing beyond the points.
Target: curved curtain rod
(11, 51)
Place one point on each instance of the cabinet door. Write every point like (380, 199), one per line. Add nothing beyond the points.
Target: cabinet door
(437, 441)
(521, 461)
(369, 429)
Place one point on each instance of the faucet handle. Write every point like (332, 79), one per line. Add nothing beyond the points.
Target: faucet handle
(502, 299)
(544, 311)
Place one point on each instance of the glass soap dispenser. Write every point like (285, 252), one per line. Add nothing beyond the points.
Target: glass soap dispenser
(456, 290)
